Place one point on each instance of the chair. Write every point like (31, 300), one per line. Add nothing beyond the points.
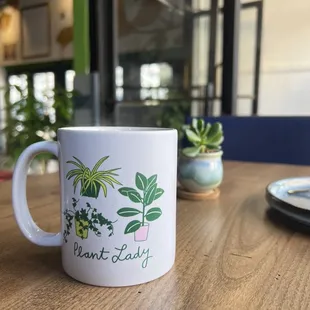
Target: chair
(265, 139)
(5, 175)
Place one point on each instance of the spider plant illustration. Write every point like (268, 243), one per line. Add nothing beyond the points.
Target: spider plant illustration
(92, 180)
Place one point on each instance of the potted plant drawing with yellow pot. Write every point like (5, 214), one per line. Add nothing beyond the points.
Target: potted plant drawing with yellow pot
(85, 219)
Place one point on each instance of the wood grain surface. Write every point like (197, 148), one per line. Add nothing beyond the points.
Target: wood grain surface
(232, 253)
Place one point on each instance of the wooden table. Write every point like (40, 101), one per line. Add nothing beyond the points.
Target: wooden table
(231, 254)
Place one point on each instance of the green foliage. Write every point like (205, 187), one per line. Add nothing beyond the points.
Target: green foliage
(92, 180)
(150, 193)
(132, 227)
(141, 181)
(126, 190)
(203, 137)
(68, 224)
(85, 219)
(29, 120)
(173, 115)
(153, 214)
(127, 212)
(135, 197)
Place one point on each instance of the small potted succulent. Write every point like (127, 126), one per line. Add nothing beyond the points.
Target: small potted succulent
(200, 165)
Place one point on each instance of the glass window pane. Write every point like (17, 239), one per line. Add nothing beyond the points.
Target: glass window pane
(69, 80)
(244, 107)
(199, 5)
(201, 39)
(20, 81)
(163, 50)
(152, 76)
(44, 84)
(119, 93)
(119, 76)
(246, 74)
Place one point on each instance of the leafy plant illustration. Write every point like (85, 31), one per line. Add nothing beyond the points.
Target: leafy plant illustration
(85, 219)
(149, 192)
(92, 180)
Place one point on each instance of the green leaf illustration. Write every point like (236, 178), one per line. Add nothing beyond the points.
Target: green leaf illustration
(151, 180)
(98, 164)
(134, 196)
(103, 186)
(109, 179)
(132, 227)
(153, 214)
(83, 215)
(76, 181)
(81, 166)
(141, 181)
(125, 190)
(127, 212)
(102, 220)
(150, 195)
(72, 173)
(159, 192)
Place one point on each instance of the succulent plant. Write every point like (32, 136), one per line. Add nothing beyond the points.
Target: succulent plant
(204, 137)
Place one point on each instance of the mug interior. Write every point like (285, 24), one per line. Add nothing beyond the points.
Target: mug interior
(114, 129)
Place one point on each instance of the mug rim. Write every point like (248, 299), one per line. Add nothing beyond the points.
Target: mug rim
(115, 129)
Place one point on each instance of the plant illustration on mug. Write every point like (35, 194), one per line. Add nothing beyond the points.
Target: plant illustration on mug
(92, 180)
(150, 193)
(85, 219)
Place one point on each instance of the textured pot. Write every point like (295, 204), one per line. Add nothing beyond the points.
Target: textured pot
(201, 173)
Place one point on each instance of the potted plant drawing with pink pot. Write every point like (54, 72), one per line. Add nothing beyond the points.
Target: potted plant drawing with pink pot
(148, 191)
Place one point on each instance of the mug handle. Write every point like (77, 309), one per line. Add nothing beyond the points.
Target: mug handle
(21, 210)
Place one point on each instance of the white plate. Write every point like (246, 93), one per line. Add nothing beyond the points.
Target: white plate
(296, 206)
(279, 189)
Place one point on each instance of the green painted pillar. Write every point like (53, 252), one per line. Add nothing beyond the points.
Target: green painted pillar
(81, 62)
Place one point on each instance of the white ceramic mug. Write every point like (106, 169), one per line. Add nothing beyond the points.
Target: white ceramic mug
(118, 202)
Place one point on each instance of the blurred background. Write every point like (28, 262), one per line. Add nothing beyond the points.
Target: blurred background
(146, 63)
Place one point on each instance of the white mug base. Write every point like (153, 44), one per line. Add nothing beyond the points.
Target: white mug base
(124, 282)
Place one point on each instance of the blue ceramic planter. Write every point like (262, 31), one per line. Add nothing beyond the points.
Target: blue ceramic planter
(202, 173)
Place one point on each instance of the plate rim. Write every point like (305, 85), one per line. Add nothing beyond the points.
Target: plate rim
(285, 203)
(287, 209)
